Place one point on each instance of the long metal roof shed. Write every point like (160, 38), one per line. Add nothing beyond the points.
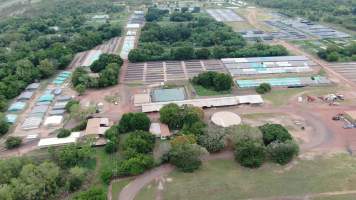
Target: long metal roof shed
(207, 103)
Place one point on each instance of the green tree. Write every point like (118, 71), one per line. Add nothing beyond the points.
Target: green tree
(104, 60)
(250, 153)
(134, 121)
(186, 157)
(170, 114)
(13, 142)
(183, 53)
(6, 192)
(282, 153)
(140, 142)
(46, 68)
(111, 147)
(136, 165)
(76, 177)
(274, 132)
(71, 155)
(203, 53)
(263, 88)
(62, 133)
(4, 125)
(80, 89)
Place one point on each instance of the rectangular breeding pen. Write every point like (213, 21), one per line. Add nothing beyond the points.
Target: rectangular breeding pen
(91, 57)
(17, 106)
(11, 118)
(46, 98)
(26, 95)
(268, 65)
(61, 78)
(32, 122)
(165, 95)
(128, 45)
(284, 82)
(39, 109)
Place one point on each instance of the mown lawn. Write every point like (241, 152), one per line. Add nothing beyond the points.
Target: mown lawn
(202, 91)
(225, 179)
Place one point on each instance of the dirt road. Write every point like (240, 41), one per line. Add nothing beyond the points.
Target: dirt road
(133, 188)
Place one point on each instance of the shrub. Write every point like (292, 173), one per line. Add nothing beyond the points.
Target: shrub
(136, 165)
(70, 104)
(186, 157)
(244, 132)
(183, 139)
(250, 153)
(282, 153)
(93, 193)
(112, 134)
(213, 140)
(111, 147)
(134, 121)
(76, 178)
(13, 142)
(4, 125)
(62, 133)
(263, 88)
(274, 132)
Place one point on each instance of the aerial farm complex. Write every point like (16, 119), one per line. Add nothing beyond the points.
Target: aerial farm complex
(161, 99)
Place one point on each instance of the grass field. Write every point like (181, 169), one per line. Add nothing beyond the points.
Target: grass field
(280, 97)
(240, 26)
(117, 186)
(201, 91)
(225, 179)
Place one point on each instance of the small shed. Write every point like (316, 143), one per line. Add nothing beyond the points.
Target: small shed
(60, 105)
(31, 123)
(46, 97)
(11, 118)
(33, 86)
(160, 130)
(39, 109)
(17, 106)
(97, 126)
(24, 96)
(54, 120)
(47, 142)
(63, 98)
(56, 112)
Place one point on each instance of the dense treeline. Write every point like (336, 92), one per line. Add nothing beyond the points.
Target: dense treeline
(107, 67)
(31, 179)
(341, 12)
(46, 37)
(200, 38)
(334, 53)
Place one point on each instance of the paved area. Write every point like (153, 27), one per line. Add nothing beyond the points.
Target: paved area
(157, 72)
(224, 15)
